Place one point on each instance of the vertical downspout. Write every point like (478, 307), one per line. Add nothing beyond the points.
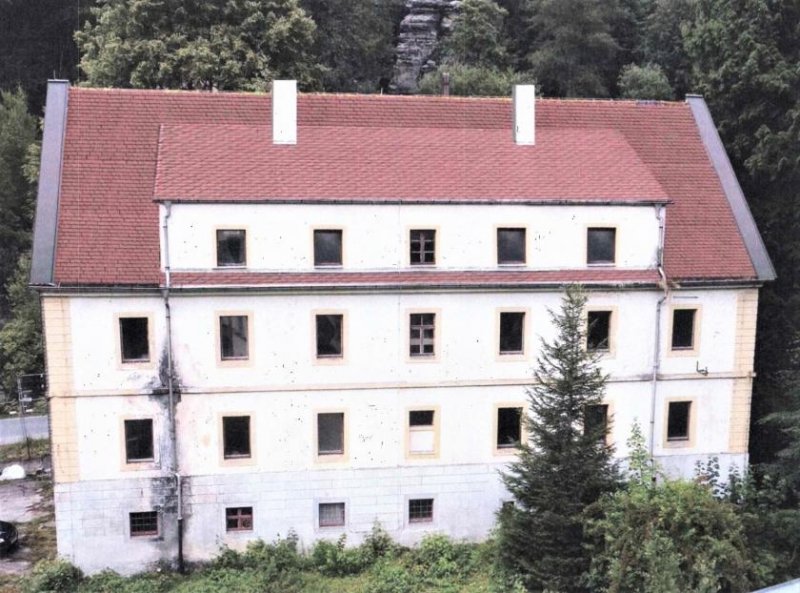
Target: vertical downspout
(171, 387)
(657, 345)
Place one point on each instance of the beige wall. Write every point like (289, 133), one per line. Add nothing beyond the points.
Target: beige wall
(746, 314)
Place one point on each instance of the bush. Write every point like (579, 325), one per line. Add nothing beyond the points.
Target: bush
(439, 558)
(334, 559)
(389, 577)
(275, 559)
(53, 576)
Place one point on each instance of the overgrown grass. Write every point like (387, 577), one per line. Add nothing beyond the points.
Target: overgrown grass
(19, 451)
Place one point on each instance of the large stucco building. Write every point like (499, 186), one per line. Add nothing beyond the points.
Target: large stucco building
(276, 312)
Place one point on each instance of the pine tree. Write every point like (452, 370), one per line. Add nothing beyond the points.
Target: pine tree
(563, 468)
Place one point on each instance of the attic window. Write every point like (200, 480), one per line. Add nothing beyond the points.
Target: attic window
(601, 246)
(327, 248)
(134, 339)
(423, 247)
(510, 246)
(231, 250)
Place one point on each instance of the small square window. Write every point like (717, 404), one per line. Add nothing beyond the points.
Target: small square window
(421, 334)
(420, 510)
(683, 321)
(138, 440)
(144, 524)
(235, 437)
(601, 245)
(330, 433)
(327, 248)
(134, 339)
(423, 247)
(509, 427)
(678, 421)
(231, 250)
(598, 334)
(595, 421)
(510, 246)
(511, 333)
(331, 514)
(239, 519)
(233, 337)
(329, 336)
(421, 432)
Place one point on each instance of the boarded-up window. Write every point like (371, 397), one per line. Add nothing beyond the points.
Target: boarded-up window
(330, 433)
(331, 514)
(601, 245)
(423, 247)
(598, 334)
(421, 432)
(421, 334)
(239, 519)
(231, 250)
(329, 335)
(134, 339)
(510, 246)
(327, 248)
(511, 333)
(233, 337)
(236, 436)
(138, 440)
(683, 329)
(678, 421)
(143, 524)
(420, 510)
(509, 427)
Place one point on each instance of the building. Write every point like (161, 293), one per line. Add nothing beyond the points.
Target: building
(271, 313)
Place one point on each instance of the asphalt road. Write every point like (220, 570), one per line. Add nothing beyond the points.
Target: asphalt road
(11, 429)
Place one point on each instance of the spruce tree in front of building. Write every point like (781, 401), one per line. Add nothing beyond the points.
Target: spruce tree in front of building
(564, 466)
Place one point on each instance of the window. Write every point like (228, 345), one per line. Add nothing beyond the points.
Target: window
(422, 432)
(678, 421)
(331, 514)
(134, 339)
(510, 246)
(511, 333)
(509, 427)
(421, 334)
(239, 519)
(231, 250)
(138, 440)
(598, 334)
(423, 247)
(595, 421)
(143, 524)
(329, 336)
(330, 433)
(235, 437)
(420, 510)
(233, 337)
(327, 248)
(601, 245)
(683, 321)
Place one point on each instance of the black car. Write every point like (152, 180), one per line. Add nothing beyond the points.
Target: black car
(8, 537)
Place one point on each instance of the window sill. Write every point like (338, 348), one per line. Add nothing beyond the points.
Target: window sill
(512, 264)
(601, 264)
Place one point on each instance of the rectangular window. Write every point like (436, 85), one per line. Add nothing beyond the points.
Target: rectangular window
(331, 514)
(509, 427)
(330, 433)
(231, 250)
(420, 510)
(421, 334)
(329, 336)
(421, 432)
(134, 339)
(233, 337)
(235, 437)
(327, 248)
(239, 519)
(601, 245)
(143, 524)
(595, 421)
(511, 333)
(423, 247)
(678, 421)
(683, 321)
(510, 246)
(138, 440)
(598, 333)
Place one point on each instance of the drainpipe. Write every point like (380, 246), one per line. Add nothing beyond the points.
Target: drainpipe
(660, 213)
(171, 387)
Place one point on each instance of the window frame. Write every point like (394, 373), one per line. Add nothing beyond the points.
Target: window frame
(327, 229)
(123, 364)
(434, 428)
(333, 457)
(244, 264)
(609, 437)
(238, 460)
(143, 460)
(151, 464)
(512, 356)
(600, 263)
(318, 526)
(436, 236)
(424, 521)
(329, 359)
(695, 349)
(526, 248)
(523, 433)
(437, 328)
(145, 534)
(234, 361)
(680, 443)
(612, 329)
(240, 518)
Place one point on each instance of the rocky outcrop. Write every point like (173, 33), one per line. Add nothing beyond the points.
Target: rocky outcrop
(420, 32)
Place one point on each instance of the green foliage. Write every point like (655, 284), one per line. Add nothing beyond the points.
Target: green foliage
(644, 82)
(389, 577)
(334, 559)
(53, 576)
(281, 556)
(109, 581)
(439, 558)
(198, 44)
(477, 37)
(562, 469)
(662, 41)
(471, 81)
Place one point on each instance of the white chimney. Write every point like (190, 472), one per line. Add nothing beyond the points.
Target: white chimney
(284, 112)
(524, 96)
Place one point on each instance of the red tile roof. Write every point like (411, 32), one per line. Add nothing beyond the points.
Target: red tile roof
(124, 148)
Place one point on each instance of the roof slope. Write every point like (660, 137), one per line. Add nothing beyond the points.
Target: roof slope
(124, 149)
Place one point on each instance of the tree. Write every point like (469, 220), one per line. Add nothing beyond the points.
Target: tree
(563, 468)
(662, 41)
(644, 82)
(471, 81)
(198, 44)
(477, 37)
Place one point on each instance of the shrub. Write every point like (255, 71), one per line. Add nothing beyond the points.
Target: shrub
(279, 557)
(379, 544)
(334, 559)
(439, 558)
(389, 577)
(53, 576)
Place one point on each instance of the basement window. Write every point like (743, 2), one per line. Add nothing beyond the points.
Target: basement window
(231, 249)
(134, 339)
(331, 514)
(235, 437)
(233, 337)
(420, 510)
(595, 421)
(423, 247)
(683, 323)
(330, 433)
(327, 248)
(421, 334)
(510, 246)
(598, 333)
(144, 524)
(138, 440)
(329, 336)
(239, 519)
(511, 333)
(509, 428)
(678, 416)
(421, 432)
(601, 246)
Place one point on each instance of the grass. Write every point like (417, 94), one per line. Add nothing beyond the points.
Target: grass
(19, 451)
